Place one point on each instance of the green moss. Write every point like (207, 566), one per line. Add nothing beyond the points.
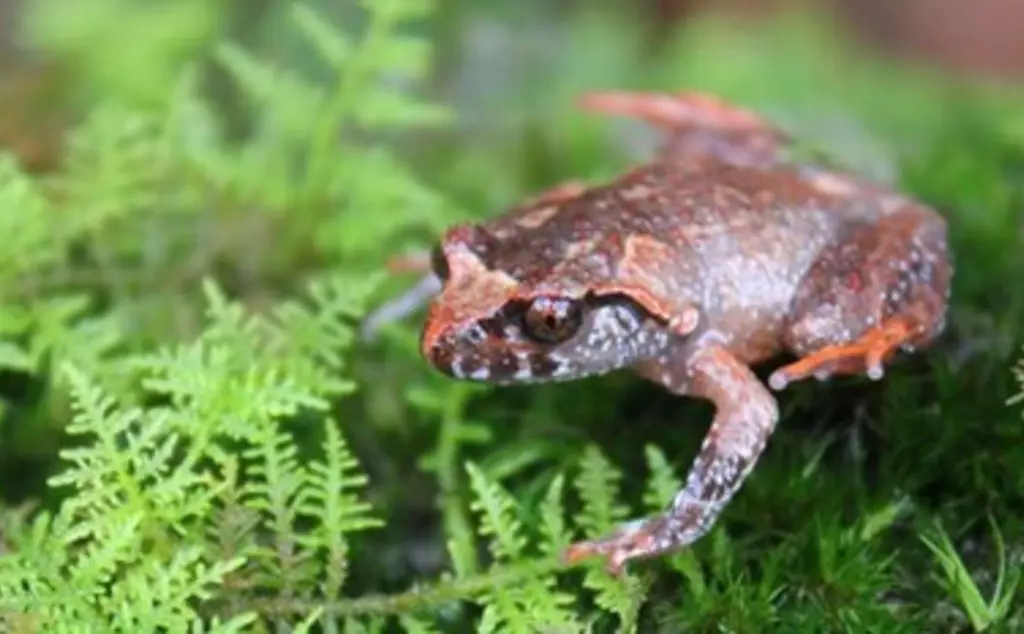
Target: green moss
(192, 438)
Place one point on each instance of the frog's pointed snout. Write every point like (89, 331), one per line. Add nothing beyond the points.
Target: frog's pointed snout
(455, 352)
(471, 353)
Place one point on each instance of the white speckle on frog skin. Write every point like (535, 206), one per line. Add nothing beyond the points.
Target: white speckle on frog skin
(524, 373)
(538, 217)
(456, 369)
(639, 191)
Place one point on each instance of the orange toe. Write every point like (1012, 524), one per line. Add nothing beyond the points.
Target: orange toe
(865, 355)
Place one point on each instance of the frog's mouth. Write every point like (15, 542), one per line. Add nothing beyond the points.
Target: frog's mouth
(482, 352)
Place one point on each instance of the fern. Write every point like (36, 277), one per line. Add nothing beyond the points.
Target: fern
(302, 156)
(133, 553)
(57, 324)
(597, 484)
(663, 484)
(555, 533)
(32, 243)
(331, 501)
(113, 556)
(188, 476)
(534, 602)
(455, 434)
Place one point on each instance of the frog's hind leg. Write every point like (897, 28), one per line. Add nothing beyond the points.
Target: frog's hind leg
(699, 125)
(882, 288)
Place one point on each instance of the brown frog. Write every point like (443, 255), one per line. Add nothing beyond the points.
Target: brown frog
(718, 254)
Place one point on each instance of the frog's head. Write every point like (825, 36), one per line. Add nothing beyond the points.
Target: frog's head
(487, 325)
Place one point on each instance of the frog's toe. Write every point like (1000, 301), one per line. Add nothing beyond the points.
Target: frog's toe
(632, 540)
(866, 355)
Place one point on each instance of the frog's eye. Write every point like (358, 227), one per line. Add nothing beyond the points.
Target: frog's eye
(439, 263)
(552, 320)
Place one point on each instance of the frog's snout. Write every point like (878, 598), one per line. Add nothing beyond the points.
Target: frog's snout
(472, 354)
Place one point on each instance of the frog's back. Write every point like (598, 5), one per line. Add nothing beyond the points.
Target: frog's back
(738, 240)
(744, 238)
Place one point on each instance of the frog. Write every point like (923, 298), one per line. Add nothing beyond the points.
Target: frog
(718, 254)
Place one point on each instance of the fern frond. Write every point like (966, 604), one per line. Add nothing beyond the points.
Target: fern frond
(156, 590)
(290, 360)
(330, 499)
(272, 486)
(115, 165)
(555, 534)
(412, 624)
(63, 328)
(129, 454)
(663, 484)
(31, 241)
(304, 158)
(285, 100)
(499, 521)
(597, 485)
(38, 243)
(532, 603)
(232, 527)
(131, 532)
(116, 553)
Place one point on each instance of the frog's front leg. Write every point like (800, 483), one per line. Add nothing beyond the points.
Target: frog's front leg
(746, 414)
(699, 126)
(881, 288)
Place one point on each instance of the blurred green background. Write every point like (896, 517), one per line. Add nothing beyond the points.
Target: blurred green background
(925, 98)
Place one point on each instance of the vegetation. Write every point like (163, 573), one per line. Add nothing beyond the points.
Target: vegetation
(193, 438)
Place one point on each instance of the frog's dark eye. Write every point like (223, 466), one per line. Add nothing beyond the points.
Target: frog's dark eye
(439, 263)
(552, 320)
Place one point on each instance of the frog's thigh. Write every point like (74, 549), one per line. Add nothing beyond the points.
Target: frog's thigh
(882, 286)
(699, 125)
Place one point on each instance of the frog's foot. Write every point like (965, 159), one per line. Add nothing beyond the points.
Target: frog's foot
(400, 307)
(673, 111)
(881, 288)
(699, 125)
(640, 538)
(865, 355)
